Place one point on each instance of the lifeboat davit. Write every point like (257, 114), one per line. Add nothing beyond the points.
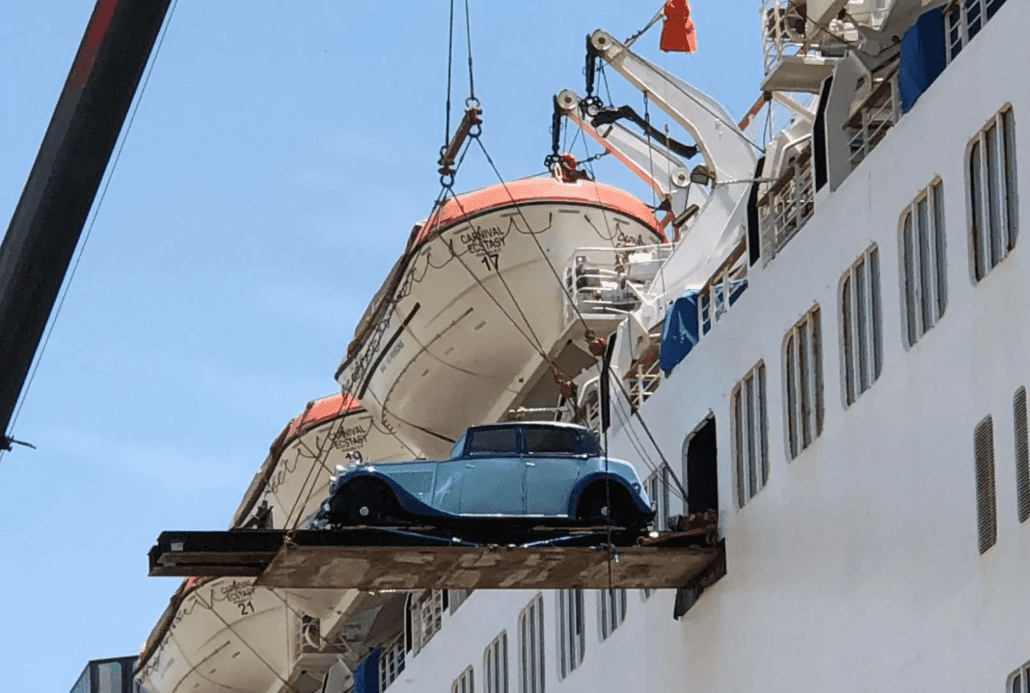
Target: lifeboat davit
(221, 634)
(473, 309)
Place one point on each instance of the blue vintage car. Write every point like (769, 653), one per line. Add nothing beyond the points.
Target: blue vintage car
(542, 472)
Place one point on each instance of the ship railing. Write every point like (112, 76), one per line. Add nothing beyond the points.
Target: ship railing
(563, 412)
(722, 288)
(870, 122)
(592, 407)
(644, 378)
(787, 204)
(611, 281)
(391, 663)
(963, 19)
(783, 32)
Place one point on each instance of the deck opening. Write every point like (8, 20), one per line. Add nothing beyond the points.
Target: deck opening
(699, 469)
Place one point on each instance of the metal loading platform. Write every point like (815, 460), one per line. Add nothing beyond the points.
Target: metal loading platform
(380, 559)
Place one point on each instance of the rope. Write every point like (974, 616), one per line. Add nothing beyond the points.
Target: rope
(654, 20)
(89, 229)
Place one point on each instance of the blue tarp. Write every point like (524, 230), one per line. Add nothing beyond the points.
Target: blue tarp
(679, 334)
(366, 676)
(922, 57)
(680, 331)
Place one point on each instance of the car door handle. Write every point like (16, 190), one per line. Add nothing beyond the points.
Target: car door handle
(469, 466)
(530, 464)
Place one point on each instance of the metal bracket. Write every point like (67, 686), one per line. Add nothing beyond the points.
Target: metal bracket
(469, 127)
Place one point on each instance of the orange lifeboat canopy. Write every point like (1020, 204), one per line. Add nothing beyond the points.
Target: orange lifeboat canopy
(316, 412)
(535, 191)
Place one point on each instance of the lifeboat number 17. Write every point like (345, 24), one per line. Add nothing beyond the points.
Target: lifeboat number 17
(490, 260)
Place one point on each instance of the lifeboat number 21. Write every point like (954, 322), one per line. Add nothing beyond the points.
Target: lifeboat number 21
(490, 260)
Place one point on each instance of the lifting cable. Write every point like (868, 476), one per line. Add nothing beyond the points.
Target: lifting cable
(535, 340)
(605, 395)
(643, 424)
(532, 235)
(638, 447)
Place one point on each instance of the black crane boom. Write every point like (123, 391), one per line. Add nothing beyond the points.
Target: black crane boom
(50, 215)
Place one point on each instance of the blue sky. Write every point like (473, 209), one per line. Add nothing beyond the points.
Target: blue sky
(279, 156)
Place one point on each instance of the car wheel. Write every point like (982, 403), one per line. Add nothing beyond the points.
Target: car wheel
(597, 512)
(365, 502)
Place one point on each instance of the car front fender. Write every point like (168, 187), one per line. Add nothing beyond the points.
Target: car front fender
(408, 501)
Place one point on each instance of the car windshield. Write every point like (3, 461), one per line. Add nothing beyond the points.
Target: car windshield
(493, 441)
(459, 447)
(553, 441)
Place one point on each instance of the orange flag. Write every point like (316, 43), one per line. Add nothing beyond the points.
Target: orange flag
(678, 30)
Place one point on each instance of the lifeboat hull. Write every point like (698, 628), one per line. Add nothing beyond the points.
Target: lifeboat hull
(223, 634)
(475, 308)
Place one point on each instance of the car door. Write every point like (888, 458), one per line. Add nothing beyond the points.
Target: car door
(494, 479)
(552, 468)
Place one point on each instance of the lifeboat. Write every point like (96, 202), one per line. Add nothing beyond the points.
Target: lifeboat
(294, 478)
(470, 316)
(221, 635)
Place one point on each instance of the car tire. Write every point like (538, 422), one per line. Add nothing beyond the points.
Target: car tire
(596, 511)
(365, 502)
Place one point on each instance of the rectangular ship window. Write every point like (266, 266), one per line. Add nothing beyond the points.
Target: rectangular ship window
(463, 684)
(1022, 455)
(750, 434)
(861, 325)
(571, 637)
(1019, 680)
(531, 647)
(986, 505)
(802, 357)
(924, 276)
(991, 193)
(495, 665)
(611, 611)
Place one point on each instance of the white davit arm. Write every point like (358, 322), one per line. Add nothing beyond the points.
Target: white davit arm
(728, 156)
(662, 170)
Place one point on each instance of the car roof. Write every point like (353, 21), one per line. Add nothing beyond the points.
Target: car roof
(535, 424)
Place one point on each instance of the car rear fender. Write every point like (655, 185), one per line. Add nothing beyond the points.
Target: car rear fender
(599, 477)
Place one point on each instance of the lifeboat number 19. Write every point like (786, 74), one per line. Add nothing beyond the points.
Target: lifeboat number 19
(490, 260)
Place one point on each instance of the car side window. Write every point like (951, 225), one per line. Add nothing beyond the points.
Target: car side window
(493, 441)
(551, 441)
